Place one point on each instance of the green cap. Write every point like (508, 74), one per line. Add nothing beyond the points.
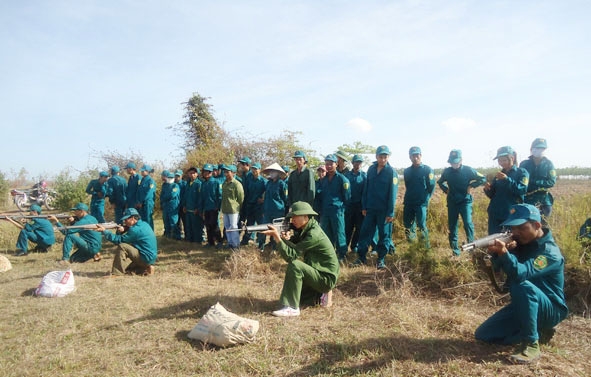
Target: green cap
(357, 158)
(414, 150)
(301, 208)
(455, 156)
(522, 213)
(539, 143)
(103, 174)
(129, 212)
(80, 207)
(35, 208)
(504, 151)
(383, 149)
(300, 154)
(331, 157)
(208, 167)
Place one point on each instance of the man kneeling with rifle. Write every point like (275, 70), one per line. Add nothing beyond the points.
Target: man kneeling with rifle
(39, 230)
(310, 280)
(135, 241)
(79, 235)
(535, 276)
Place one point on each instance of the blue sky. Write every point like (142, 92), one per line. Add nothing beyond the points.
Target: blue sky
(79, 77)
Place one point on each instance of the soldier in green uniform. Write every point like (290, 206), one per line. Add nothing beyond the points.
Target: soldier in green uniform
(312, 279)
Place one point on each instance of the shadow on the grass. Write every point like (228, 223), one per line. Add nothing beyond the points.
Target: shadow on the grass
(381, 352)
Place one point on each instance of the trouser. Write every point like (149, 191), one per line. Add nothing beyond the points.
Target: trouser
(375, 220)
(146, 213)
(193, 227)
(334, 227)
(254, 215)
(118, 210)
(353, 222)
(25, 236)
(530, 310)
(124, 253)
(453, 212)
(84, 251)
(212, 227)
(97, 210)
(303, 284)
(181, 224)
(415, 216)
(231, 222)
(170, 220)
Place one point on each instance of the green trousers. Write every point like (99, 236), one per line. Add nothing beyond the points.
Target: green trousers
(124, 253)
(303, 284)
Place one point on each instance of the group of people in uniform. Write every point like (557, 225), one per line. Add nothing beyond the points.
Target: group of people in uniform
(343, 209)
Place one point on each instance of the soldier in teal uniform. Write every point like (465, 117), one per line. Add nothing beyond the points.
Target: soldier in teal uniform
(301, 185)
(170, 201)
(191, 207)
(209, 205)
(87, 242)
(116, 192)
(321, 172)
(457, 182)
(146, 195)
(182, 183)
(353, 215)
(378, 202)
(507, 188)
(132, 185)
(37, 230)
(254, 197)
(97, 189)
(310, 280)
(542, 177)
(419, 181)
(342, 160)
(275, 199)
(535, 276)
(136, 242)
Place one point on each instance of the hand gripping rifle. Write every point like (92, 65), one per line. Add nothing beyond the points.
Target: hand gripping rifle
(281, 223)
(483, 259)
(109, 225)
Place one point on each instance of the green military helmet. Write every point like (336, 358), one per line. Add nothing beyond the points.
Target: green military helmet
(301, 208)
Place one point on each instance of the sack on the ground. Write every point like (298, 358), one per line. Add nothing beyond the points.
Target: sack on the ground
(223, 328)
(56, 284)
(5, 264)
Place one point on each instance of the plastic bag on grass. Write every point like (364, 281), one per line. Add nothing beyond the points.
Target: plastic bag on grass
(56, 284)
(4, 264)
(223, 328)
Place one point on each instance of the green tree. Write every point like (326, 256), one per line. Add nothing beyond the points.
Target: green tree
(71, 191)
(359, 148)
(199, 127)
(4, 187)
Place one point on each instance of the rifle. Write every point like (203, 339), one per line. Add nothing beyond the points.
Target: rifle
(59, 216)
(483, 259)
(281, 223)
(109, 225)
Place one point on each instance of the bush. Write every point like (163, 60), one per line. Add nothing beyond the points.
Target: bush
(71, 191)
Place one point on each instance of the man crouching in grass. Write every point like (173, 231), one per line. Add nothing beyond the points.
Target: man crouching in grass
(309, 281)
(535, 276)
(136, 241)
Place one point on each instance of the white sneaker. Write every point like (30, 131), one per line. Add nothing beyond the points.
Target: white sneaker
(326, 299)
(287, 311)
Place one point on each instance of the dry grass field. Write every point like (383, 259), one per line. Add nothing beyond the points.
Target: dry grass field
(399, 322)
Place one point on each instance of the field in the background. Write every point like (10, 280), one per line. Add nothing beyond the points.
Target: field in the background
(415, 319)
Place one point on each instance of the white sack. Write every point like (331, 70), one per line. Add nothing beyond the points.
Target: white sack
(56, 284)
(222, 328)
(5, 264)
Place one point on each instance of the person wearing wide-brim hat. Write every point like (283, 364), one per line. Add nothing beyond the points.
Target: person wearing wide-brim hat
(457, 182)
(38, 231)
(308, 280)
(301, 185)
(342, 159)
(508, 187)
(535, 267)
(542, 177)
(136, 242)
(97, 189)
(146, 194)
(275, 202)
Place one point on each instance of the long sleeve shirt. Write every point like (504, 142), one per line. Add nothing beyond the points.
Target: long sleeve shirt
(455, 182)
(141, 236)
(420, 183)
(380, 189)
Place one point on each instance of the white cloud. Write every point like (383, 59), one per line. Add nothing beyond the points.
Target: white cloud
(359, 124)
(456, 124)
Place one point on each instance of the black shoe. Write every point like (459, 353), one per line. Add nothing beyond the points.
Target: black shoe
(546, 335)
(21, 253)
